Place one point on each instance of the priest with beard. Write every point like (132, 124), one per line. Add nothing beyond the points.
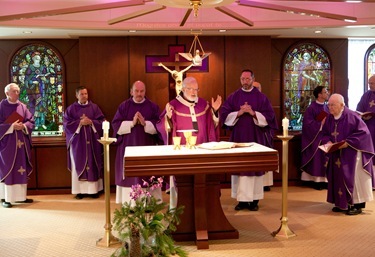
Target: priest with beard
(83, 128)
(189, 112)
(133, 125)
(249, 115)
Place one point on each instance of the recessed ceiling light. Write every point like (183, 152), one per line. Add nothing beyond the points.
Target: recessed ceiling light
(27, 32)
(317, 31)
(222, 30)
(132, 31)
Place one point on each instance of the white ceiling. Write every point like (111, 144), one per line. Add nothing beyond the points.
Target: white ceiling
(167, 21)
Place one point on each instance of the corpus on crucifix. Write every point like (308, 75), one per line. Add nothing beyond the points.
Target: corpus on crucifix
(177, 76)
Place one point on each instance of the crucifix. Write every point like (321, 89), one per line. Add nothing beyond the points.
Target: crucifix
(175, 66)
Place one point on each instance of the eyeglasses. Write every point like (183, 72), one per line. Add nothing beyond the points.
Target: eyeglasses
(247, 79)
(192, 89)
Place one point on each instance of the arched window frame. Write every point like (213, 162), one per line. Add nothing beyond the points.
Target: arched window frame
(296, 93)
(369, 65)
(42, 86)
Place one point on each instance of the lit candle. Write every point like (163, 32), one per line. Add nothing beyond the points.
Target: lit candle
(105, 127)
(285, 124)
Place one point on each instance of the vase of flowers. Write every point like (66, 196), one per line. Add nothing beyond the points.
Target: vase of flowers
(144, 224)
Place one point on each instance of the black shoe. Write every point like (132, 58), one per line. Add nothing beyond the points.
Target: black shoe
(337, 209)
(319, 185)
(266, 188)
(7, 204)
(354, 211)
(2, 200)
(253, 206)
(79, 196)
(26, 201)
(94, 196)
(241, 206)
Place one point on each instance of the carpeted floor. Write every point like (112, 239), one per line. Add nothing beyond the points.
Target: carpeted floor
(61, 226)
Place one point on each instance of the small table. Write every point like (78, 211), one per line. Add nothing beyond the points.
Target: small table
(197, 173)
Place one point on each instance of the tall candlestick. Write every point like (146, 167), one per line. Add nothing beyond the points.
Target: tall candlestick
(285, 124)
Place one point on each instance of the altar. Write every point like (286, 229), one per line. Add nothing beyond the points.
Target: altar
(197, 173)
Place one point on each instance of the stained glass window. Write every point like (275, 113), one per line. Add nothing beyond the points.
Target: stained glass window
(370, 64)
(305, 66)
(38, 70)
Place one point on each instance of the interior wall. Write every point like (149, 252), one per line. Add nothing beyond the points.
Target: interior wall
(108, 66)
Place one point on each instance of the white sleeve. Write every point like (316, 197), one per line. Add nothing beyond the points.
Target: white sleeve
(150, 128)
(125, 128)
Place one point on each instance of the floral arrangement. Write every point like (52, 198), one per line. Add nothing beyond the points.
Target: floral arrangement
(144, 224)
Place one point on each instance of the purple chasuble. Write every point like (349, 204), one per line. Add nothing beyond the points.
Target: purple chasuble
(313, 159)
(182, 120)
(245, 129)
(137, 136)
(87, 150)
(342, 163)
(15, 148)
(367, 104)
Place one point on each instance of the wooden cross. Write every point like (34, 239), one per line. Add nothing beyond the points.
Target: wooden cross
(371, 103)
(175, 62)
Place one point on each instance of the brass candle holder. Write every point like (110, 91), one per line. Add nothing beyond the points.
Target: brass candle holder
(284, 230)
(108, 240)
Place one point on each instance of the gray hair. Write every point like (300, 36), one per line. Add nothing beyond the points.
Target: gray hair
(189, 81)
(7, 87)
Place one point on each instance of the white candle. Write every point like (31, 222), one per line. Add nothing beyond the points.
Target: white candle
(285, 124)
(105, 127)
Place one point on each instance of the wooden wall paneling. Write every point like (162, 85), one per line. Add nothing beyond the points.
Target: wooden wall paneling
(247, 53)
(104, 70)
(157, 84)
(211, 83)
(53, 174)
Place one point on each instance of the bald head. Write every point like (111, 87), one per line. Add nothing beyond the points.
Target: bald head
(138, 91)
(257, 85)
(371, 83)
(336, 104)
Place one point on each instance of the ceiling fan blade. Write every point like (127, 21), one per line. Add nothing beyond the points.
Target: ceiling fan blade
(299, 11)
(133, 15)
(187, 14)
(235, 15)
(71, 10)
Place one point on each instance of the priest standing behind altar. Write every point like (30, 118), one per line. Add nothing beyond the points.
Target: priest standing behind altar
(133, 125)
(350, 168)
(249, 115)
(83, 127)
(189, 112)
(16, 124)
(313, 164)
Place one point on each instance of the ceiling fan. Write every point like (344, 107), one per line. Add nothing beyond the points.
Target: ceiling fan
(190, 5)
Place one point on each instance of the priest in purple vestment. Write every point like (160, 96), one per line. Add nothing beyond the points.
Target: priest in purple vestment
(189, 112)
(313, 164)
(367, 104)
(83, 127)
(350, 168)
(249, 115)
(133, 125)
(16, 125)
